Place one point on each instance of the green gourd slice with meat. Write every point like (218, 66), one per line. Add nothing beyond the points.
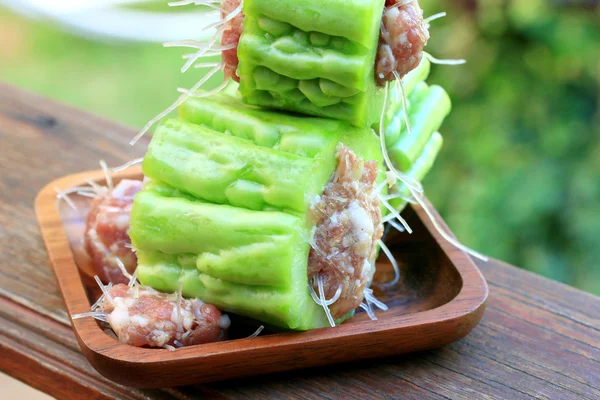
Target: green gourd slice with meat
(239, 204)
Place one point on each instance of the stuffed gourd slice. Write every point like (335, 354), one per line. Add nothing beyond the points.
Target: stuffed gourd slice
(268, 215)
(312, 57)
(322, 58)
(249, 262)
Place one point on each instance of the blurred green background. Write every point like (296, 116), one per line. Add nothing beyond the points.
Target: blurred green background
(519, 176)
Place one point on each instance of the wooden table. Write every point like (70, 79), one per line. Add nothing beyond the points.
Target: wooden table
(538, 338)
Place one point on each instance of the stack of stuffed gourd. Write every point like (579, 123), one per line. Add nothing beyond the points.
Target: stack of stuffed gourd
(230, 185)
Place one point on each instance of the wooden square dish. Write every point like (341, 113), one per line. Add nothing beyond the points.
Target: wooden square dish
(439, 299)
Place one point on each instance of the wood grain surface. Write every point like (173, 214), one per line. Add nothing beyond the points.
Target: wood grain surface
(537, 339)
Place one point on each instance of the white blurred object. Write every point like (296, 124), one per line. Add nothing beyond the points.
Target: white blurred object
(108, 19)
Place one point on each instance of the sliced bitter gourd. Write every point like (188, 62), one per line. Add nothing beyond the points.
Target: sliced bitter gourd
(311, 56)
(428, 110)
(226, 209)
(418, 170)
(244, 261)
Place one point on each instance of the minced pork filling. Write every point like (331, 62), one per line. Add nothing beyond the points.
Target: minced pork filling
(348, 227)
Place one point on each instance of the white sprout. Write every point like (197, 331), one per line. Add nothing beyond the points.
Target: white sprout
(257, 332)
(379, 188)
(445, 62)
(388, 218)
(434, 17)
(128, 164)
(203, 48)
(371, 299)
(86, 194)
(97, 188)
(369, 311)
(60, 195)
(400, 89)
(314, 294)
(335, 297)
(227, 18)
(204, 94)
(101, 298)
(132, 278)
(173, 106)
(396, 225)
(408, 181)
(194, 44)
(79, 190)
(76, 189)
(92, 191)
(368, 293)
(209, 3)
(206, 65)
(177, 343)
(100, 316)
(104, 289)
(392, 196)
(107, 176)
(392, 259)
(324, 301)
(396, 214)
(207, 54)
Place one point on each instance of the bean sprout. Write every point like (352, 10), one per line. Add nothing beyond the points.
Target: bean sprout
(392, 259)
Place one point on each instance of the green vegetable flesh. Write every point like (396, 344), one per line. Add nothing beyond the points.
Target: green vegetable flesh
(313, 57)
(226, 169)
(302, 136)
(393, 110)
(397, 121)
(418, 170)
(225, 211)
(244, 261)
(355, 20)
(426, 117)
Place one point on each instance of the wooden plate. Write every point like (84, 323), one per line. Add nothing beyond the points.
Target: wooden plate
(439, 299)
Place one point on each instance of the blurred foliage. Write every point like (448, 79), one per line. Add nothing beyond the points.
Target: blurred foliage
(519, 176)
(127, 82)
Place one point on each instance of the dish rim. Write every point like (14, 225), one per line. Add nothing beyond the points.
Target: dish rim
(469, 302)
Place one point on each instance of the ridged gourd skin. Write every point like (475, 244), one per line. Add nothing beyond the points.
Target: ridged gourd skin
(429, 107)
(418, 170)
(414, 153)
(225, 210)
(313, 57)
(394, 113)
(249, 262)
